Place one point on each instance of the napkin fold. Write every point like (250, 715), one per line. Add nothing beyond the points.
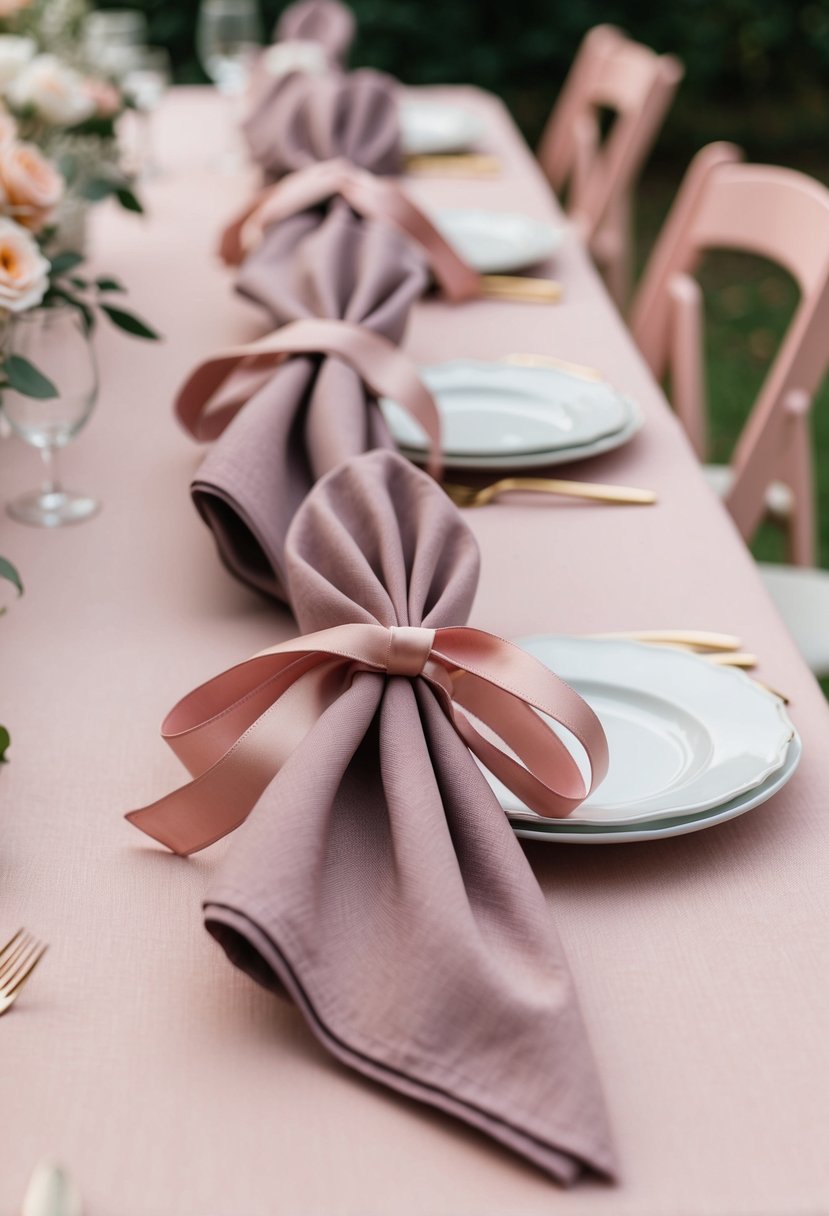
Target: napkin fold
(327, 22)
(377, 881)
(311, 413)
(301, 118)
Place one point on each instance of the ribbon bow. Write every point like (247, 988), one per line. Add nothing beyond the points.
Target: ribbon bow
(382, 367)
(235, 732)
(373, 197)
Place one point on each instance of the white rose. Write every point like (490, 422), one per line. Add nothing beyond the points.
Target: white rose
(24, 271)
(55, 91)
(15, 53)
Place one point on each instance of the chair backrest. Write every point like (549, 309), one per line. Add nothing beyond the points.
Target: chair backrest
(610, 72)
(774, 213)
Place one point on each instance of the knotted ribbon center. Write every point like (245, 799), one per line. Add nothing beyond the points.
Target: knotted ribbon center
(409, 649)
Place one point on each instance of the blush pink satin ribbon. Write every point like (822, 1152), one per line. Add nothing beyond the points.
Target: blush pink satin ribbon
(234, 733)
(374, 197)
(381, 366)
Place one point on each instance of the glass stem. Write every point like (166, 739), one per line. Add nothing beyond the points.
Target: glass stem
(49, 456)
(148, 168)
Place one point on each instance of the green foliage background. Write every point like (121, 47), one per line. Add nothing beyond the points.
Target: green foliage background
(771, 56)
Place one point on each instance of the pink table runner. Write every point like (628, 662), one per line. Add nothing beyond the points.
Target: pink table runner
(169, 1083)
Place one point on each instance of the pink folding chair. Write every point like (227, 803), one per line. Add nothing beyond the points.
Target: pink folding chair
(784, 216)
(610, 72)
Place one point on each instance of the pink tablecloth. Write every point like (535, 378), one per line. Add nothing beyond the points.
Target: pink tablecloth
(173, 1086)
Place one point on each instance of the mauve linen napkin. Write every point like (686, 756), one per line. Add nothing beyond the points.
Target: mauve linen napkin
(327, 22)
(378, 883)
(300, 119)
(312, 412)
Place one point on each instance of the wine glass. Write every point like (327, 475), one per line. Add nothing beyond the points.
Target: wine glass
(145, 82)
(228, 35)
(54, 340)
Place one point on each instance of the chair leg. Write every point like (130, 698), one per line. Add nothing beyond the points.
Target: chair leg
(613, 251)
(687, 360)
(801, 539)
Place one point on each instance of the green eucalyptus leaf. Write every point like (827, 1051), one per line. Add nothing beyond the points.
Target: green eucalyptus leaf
(62, 263)
(128, 200)
(26, 379)
(98, 188)
(10, 574)
(109, 284)
(5, 740)
(129, 323)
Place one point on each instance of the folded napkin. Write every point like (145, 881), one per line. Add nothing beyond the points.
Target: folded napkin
(311, 413)
(327, 22)
(301, 118)
(377, 881)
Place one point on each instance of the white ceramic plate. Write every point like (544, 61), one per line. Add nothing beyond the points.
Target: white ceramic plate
(429, 128)
(500, 409)
(540, 460)
(665, 828)
(497, 242)
(684, 734)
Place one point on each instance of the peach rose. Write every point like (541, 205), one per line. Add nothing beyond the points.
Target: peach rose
(104, 96)
(24, 271)
(31, 184)
(8, 8)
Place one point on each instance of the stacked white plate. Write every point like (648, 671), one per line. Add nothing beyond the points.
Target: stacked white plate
(497, 416)
(492, 242)
(692, 744)
(429, 128)
(497, 242)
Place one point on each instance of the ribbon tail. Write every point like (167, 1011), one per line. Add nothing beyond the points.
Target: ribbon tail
(221, 798)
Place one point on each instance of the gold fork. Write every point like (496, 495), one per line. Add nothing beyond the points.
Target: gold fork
(521, 287)
(18, 959)
(455, 164)
(468, 496)
(580, 370)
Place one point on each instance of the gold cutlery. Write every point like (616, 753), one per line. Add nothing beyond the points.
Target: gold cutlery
(521, 287)
(18, 959)
(460, 164)
(580, 370)
(723, 649)
(51, 1192)
(738, 658)
(694, 639)
(469, 496)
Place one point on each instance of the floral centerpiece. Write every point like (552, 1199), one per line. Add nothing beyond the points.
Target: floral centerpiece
(60, 104)
(31, 274)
